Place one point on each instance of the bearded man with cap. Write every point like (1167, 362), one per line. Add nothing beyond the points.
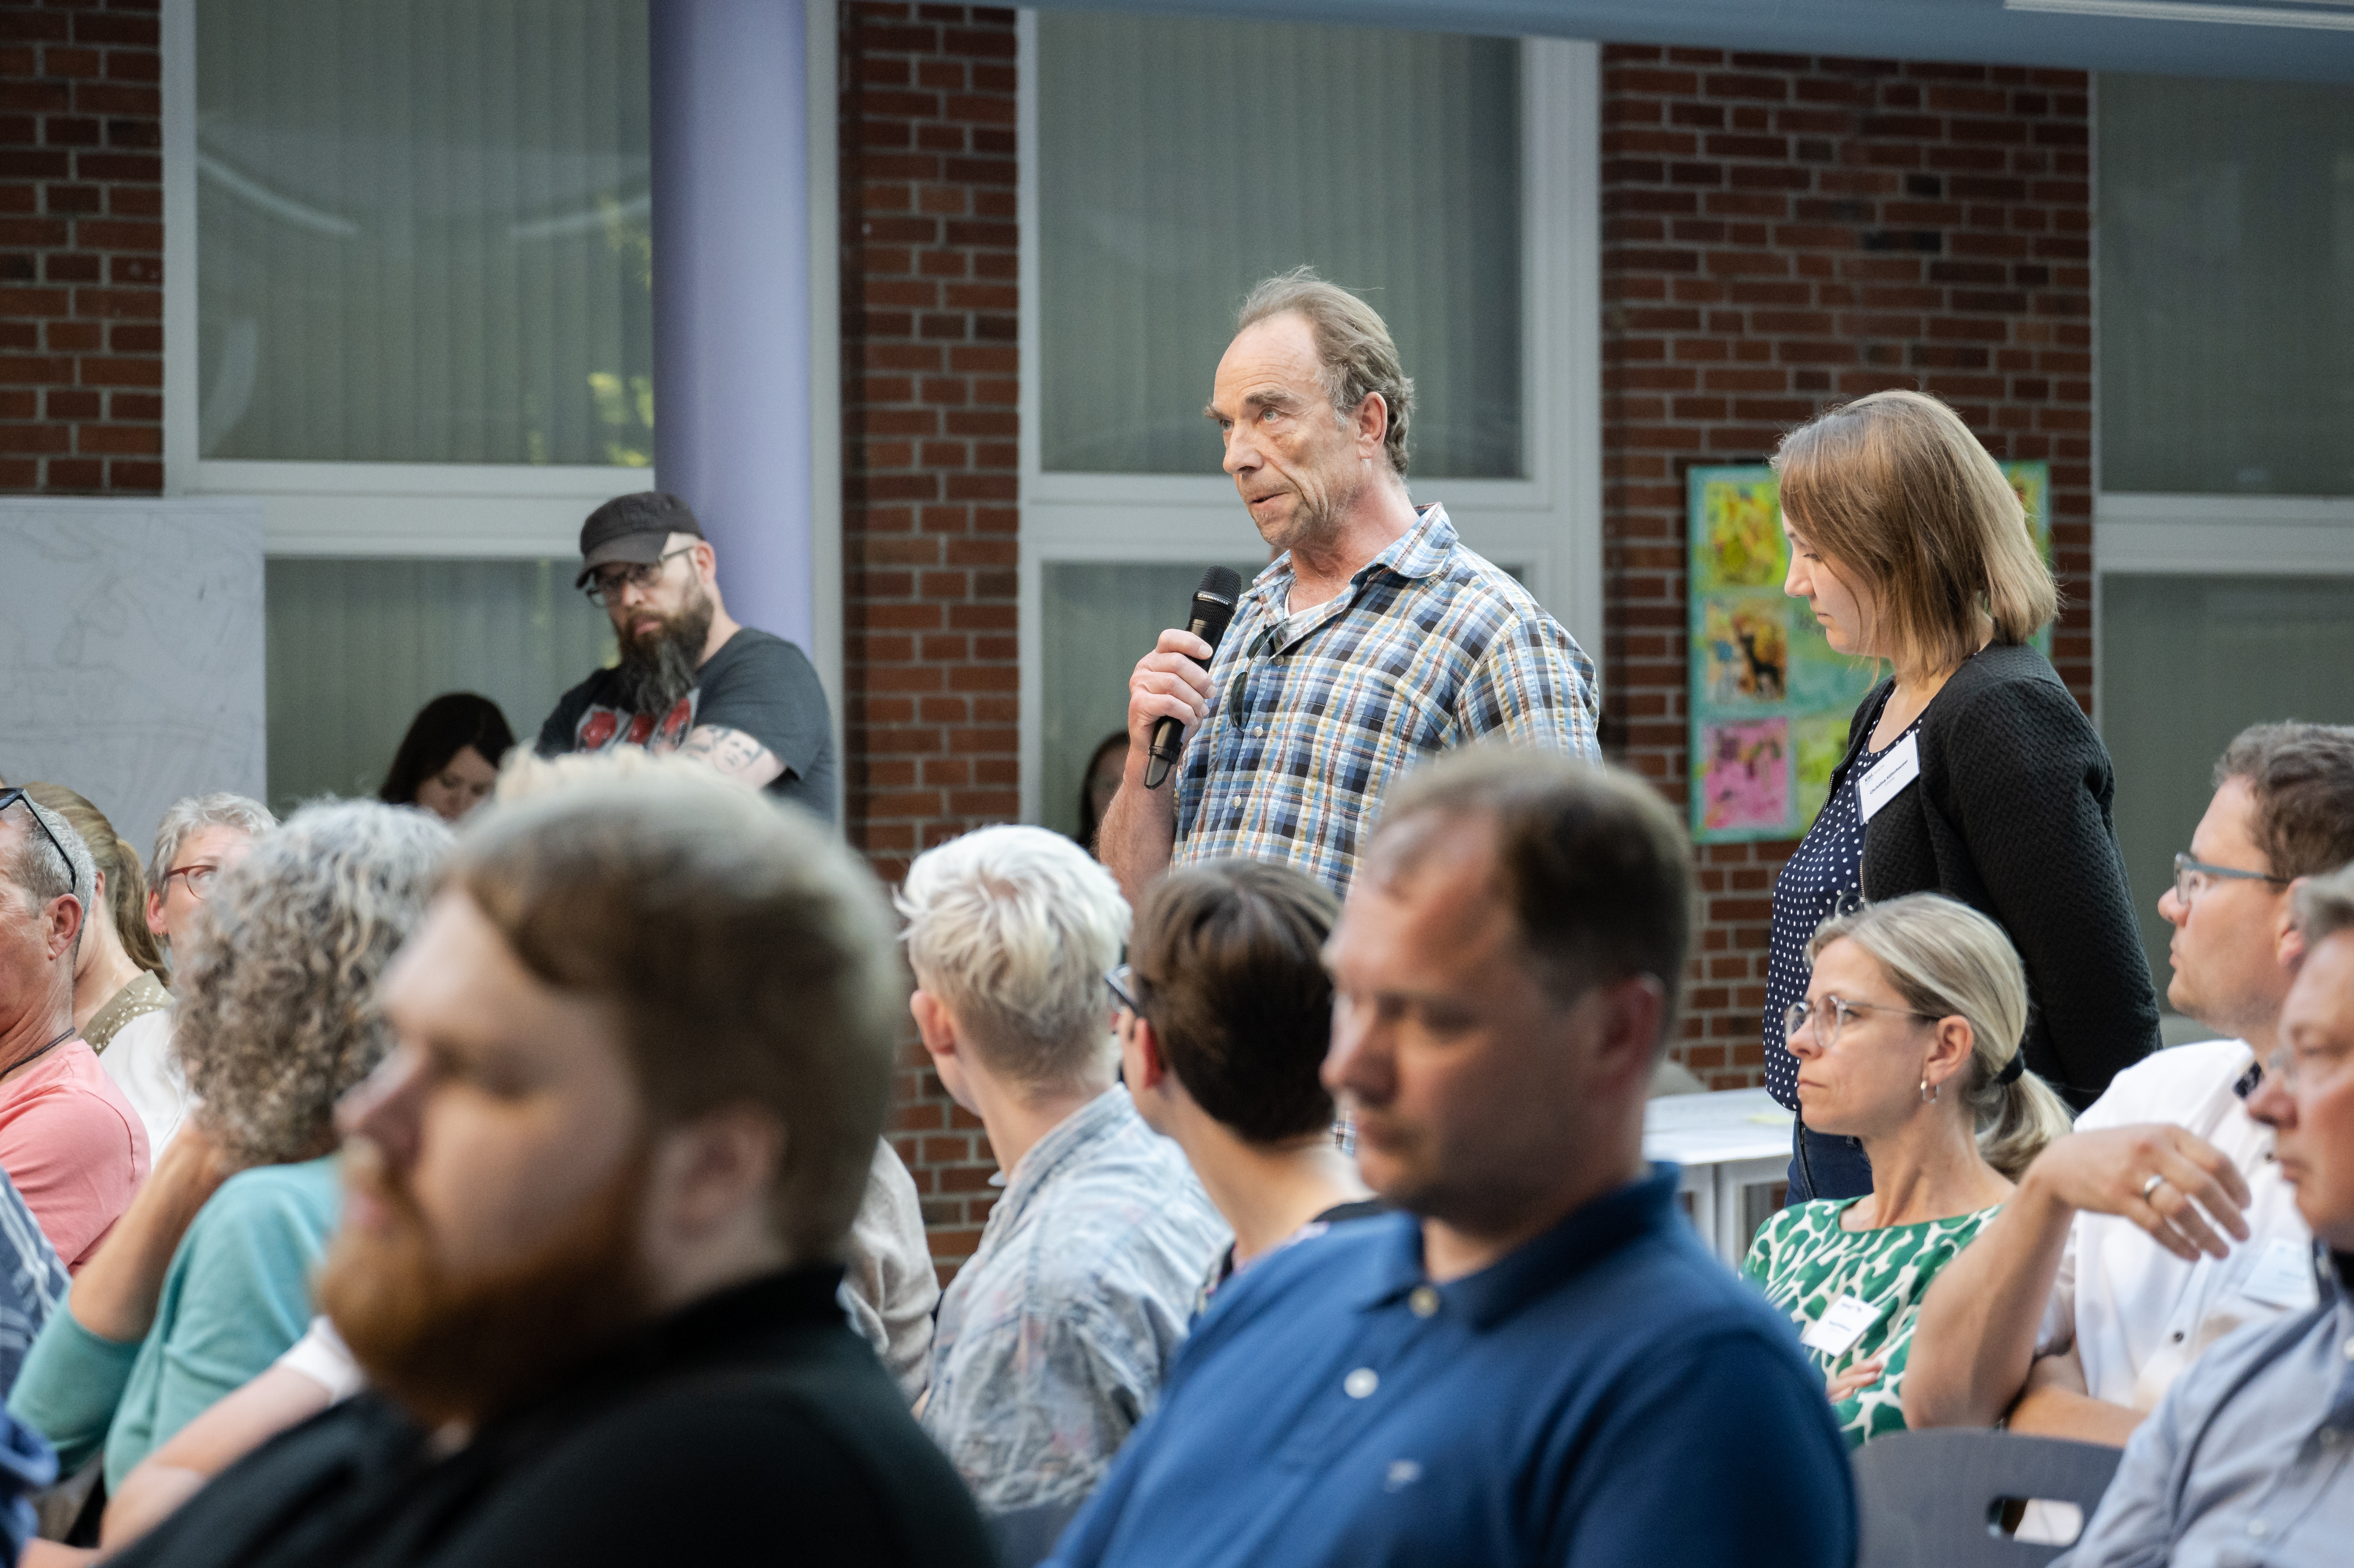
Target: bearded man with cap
(691, 679)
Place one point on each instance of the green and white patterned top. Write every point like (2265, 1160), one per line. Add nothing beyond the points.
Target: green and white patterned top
(1804, 1260)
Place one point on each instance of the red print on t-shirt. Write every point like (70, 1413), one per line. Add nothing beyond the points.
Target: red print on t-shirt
(602, 727)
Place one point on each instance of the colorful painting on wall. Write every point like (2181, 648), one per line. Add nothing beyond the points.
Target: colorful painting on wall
(1770, 700)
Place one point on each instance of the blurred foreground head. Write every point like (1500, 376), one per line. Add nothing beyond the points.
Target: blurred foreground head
(646, 1039)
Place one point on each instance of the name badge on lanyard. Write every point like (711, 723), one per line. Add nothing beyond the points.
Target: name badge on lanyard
(1881, 784)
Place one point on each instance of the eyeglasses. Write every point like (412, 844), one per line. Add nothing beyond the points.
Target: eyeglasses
(9, 798)
(1121, 981)
(611, 581)
(2189, 877)
(1795, 1017)
(198, 878)
(2284, 1067)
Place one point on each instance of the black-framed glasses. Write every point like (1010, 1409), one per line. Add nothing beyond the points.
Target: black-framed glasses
(638, 575)
(1796, 1016)
(9, 798)
(197, 879)
(2189, 876)
(1121, 979)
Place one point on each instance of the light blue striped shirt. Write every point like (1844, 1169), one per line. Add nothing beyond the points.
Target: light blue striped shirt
(2246, 1459)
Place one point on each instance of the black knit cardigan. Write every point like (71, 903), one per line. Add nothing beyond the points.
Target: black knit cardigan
(2010, 815)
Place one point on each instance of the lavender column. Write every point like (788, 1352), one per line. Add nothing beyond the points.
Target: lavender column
(731, 293)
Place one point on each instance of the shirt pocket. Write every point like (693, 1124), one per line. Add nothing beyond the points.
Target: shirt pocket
(1367, 724)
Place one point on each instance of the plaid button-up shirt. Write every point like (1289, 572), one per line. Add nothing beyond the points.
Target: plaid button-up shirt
(1311, 716)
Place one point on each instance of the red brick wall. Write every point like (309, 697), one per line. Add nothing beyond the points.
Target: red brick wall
(930, 371)
(1784, 233)
(81, 248)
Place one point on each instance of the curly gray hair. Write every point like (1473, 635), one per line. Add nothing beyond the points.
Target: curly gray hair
(277, 1013)
(191, 815)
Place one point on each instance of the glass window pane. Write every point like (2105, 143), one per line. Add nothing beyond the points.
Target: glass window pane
(2227, 286)
(355, 647)
(422, 231)
(2188, 662)
(1180, 161)
(1098, 618)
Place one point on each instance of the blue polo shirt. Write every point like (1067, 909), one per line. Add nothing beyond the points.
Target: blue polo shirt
(1609, 1395)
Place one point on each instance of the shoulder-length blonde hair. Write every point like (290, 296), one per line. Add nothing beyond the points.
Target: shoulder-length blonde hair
(1944, 958)
(1908, 507)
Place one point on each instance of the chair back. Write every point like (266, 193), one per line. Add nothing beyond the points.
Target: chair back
(1026, 1536)
(1931, 1499)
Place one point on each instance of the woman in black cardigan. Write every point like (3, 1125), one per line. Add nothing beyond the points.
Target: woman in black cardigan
(1970, 771)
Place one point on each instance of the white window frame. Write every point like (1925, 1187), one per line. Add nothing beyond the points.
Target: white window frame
(2214, 535)
(483, 510)
(1548, 523)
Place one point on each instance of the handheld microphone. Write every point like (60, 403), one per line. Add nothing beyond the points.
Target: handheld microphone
(1213, 607)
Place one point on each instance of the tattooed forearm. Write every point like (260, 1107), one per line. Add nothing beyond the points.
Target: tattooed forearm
(732, 752)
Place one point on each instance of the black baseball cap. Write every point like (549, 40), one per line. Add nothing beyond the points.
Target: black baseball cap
(632, 529)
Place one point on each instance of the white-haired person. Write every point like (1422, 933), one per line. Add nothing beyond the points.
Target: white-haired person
(199, 837)
(1053, 1339)
(1908, 1039)
(207, 1278)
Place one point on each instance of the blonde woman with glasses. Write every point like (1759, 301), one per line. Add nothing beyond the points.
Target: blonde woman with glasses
(1970, 770)
(1908, 1040)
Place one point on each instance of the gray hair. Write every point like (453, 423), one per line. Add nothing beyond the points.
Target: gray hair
(277, 1013)
(192, 815)
(35, 867)
(1012, 927)
(1354, 346)
(1944, 958)
(2324, 905)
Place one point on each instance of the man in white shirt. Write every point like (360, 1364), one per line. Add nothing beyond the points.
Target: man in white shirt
(2161, 1223)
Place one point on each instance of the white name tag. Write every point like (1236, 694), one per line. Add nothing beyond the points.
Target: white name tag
(1840, 1326)
(2283, 1276)
(1889, 774)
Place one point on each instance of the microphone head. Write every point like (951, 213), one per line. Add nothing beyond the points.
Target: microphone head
(1220, 582)
(1214, 601)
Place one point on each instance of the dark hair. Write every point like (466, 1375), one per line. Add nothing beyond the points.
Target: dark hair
(441, 729)
(1594, 865)
(746, 952)
(1230, 957)
(2303, 777)
(126, 884)
(1088, 824)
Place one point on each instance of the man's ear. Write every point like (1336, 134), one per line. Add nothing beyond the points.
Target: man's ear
(1632, 1010)
(715, 1169)
(934, 1023)
(1373, 424)
(64, 922)
(1149, 1067)
(2288, 941)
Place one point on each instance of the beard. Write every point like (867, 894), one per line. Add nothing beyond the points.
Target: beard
(658, 668)
(452, 1349)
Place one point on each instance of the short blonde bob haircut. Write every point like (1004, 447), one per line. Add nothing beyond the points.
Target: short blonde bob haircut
(1911, 513)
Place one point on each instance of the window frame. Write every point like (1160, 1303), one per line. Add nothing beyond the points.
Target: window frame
(1548, 524)
(515, 511)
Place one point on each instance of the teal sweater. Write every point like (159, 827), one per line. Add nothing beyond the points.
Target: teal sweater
(237, 1294)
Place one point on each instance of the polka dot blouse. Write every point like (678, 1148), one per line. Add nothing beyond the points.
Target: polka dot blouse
(1824, 878)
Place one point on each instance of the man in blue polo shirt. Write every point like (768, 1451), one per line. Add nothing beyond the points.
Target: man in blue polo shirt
(1537, 1361)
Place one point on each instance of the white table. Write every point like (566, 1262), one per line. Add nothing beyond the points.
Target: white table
(1726, 1142)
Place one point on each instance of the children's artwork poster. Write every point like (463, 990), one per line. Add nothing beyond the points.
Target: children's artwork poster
(1771, 700)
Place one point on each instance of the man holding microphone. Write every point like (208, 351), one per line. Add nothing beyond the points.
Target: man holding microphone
(1373, 640)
